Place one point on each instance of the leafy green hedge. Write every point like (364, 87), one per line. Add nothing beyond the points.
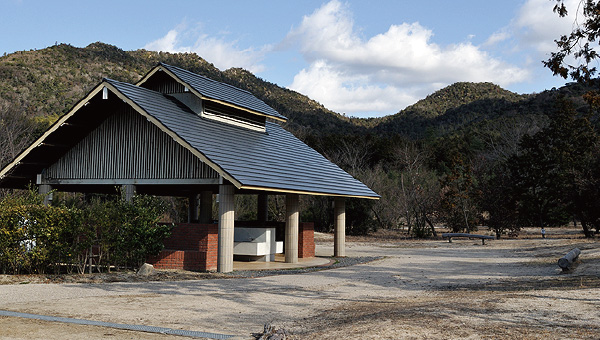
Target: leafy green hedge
(35, 238)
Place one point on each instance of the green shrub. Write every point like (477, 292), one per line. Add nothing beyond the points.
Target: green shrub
(127, 232)
(35, 238)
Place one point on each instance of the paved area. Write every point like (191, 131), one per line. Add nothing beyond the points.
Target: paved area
(242, 306)
(279, 263)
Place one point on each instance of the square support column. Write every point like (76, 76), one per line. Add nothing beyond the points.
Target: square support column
(226, 224)
(262, 212)
(206, 202)
(292, 213)
(46, 190)
(129, 190)
(339, 238)
(193, 208)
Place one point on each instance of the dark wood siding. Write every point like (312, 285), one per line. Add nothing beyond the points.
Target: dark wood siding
(127, 146)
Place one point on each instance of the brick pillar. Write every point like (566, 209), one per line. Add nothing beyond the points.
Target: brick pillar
(226, 222)
(339, 240)
(206, 202)
(292, 207)
(306, 240)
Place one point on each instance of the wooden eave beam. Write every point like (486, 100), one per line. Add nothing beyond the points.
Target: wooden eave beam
(199, 95)
(53, 145)
(301, 192)
(16, 177)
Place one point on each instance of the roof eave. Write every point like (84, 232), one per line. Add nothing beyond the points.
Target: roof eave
(313, 193)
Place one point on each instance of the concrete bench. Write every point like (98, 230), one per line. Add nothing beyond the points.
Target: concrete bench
(482, 237)
(257, 244)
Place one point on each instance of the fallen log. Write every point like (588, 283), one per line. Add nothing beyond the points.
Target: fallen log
(567, 261)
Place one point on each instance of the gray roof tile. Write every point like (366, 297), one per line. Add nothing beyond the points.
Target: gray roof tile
(273, 159)
(223, 92)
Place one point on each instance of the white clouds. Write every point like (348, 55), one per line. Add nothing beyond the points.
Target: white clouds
(537, 26)
(349, 93)
(382, 73)
(167, 43)
(497, 37)
(386, 72)
(223, 54)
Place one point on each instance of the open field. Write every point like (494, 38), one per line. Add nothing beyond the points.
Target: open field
(506, 289)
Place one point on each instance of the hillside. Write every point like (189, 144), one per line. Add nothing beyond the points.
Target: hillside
(46, 83)
(457, 105)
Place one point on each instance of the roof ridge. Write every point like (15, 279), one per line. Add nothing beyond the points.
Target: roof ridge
(112, 81)
(205, 77)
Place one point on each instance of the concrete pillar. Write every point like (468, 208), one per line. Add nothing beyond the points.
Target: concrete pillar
(226, 223)
(46, 190)
(206, 202)
(339, 239)
(262, 212)
(292, 213)
(129, 190)
(193, 208)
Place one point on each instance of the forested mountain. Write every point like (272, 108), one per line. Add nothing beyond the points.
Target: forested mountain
(46, 83)
(465, 155)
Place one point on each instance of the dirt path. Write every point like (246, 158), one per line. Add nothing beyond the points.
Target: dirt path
(433, 289)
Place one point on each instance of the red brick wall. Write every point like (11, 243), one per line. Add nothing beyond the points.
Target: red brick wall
(194, 247)
(190, 247)
(306, 240)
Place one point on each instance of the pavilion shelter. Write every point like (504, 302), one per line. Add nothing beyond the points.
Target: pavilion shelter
(176, 133)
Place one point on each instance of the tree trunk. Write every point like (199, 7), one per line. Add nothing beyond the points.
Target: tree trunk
(586, 229)
(431, 225)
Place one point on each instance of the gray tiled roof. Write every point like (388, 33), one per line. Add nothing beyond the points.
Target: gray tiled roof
(274, 159)
(220, 91)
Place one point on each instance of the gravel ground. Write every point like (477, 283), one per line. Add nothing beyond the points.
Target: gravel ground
(176, 275)
(402, 289)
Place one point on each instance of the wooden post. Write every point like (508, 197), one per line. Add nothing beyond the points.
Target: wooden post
(339, 239)
(226, 225)
(291, 228)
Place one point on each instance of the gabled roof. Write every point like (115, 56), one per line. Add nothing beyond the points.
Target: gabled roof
(273, 160)
(213, 90)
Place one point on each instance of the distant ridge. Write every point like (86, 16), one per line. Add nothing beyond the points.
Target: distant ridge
(46, 83)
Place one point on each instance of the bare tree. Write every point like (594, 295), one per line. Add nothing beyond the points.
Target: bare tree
(419, 189)
(502, 136)
(387, 209)
(15, 132)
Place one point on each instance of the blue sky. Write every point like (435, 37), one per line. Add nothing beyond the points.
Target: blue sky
(363, 58)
